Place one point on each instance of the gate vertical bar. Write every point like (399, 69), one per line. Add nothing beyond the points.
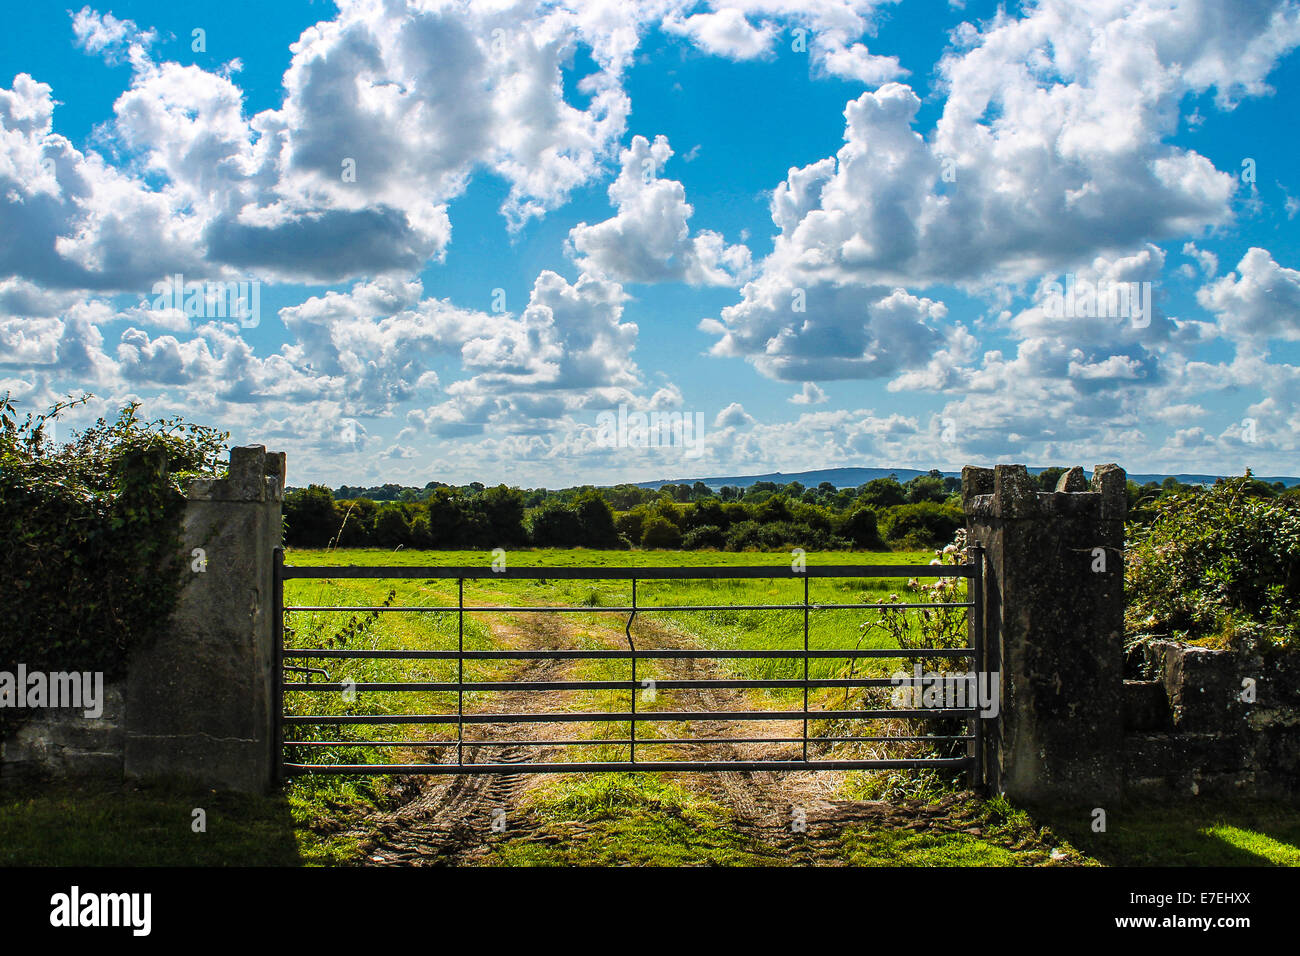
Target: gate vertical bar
(975, 585)
(460, 671)
(632, 645)
(805, 666)
(277, 672)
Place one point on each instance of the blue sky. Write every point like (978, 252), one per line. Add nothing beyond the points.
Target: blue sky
(832, 231)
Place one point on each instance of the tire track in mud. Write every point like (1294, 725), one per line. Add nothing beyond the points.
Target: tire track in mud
(445, 816)
(791, 814)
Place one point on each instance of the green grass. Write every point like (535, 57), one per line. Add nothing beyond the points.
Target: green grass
(976, 833)
(723, 629)
(863, 847)
(1231, 833)
(91, 824)
(617, 819)
(625, 819)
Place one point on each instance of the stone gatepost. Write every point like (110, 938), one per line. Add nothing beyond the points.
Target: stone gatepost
(200, 701)
(1053, 626)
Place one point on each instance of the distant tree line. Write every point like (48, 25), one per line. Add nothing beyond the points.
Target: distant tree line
(885, 513)
(880, 514)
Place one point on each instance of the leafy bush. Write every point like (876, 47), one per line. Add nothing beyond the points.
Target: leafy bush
(89, 535)
(773, 509)
(925, 523)
(392, 527)
(596, 518)
(861, 528)
(356, 526)
(556, 526)
(705, 536)
(503, 516)
(882, 493)
(778, 535)
(629, 524)
(745, 535)
(707, 513)
(660, 533)
(446, 518)
(926, 488)
(1218, 565)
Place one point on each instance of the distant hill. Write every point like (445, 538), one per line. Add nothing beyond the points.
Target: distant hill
(1289, 481)
(852, 477)
(839, 477)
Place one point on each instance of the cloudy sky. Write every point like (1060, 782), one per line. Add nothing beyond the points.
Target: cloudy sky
(845, 232)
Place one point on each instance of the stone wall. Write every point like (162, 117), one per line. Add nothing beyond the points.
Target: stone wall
(200, 701)
(1053, 627)
(63, 742)
(1203, 722)
(1078, 725)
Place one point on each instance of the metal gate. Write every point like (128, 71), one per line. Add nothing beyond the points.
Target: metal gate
(457, 762)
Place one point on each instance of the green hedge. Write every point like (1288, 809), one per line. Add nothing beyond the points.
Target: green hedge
(89, 534)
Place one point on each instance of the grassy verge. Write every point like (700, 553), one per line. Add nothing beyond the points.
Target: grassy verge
(626, 820)
(968, 832)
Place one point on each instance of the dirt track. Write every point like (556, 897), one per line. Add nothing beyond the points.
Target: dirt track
(455, 819)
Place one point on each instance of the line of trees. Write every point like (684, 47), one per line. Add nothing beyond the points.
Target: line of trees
(921, 513)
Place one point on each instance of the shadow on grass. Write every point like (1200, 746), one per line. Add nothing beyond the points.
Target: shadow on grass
(1236, 833)
(93, 823)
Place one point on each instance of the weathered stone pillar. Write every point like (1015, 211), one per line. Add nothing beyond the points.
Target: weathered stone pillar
(200, 700)
(1053, 625)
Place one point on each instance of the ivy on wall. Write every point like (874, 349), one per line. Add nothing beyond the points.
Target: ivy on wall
(89, 535)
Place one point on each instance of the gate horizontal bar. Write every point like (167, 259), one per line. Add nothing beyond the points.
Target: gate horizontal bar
(643, 573)
(661, 653)
(641, 716)
(705, 766)
(616, 741)
(540, 685)
(608, 609)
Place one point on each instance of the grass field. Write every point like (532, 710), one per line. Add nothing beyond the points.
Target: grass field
(722, 629)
